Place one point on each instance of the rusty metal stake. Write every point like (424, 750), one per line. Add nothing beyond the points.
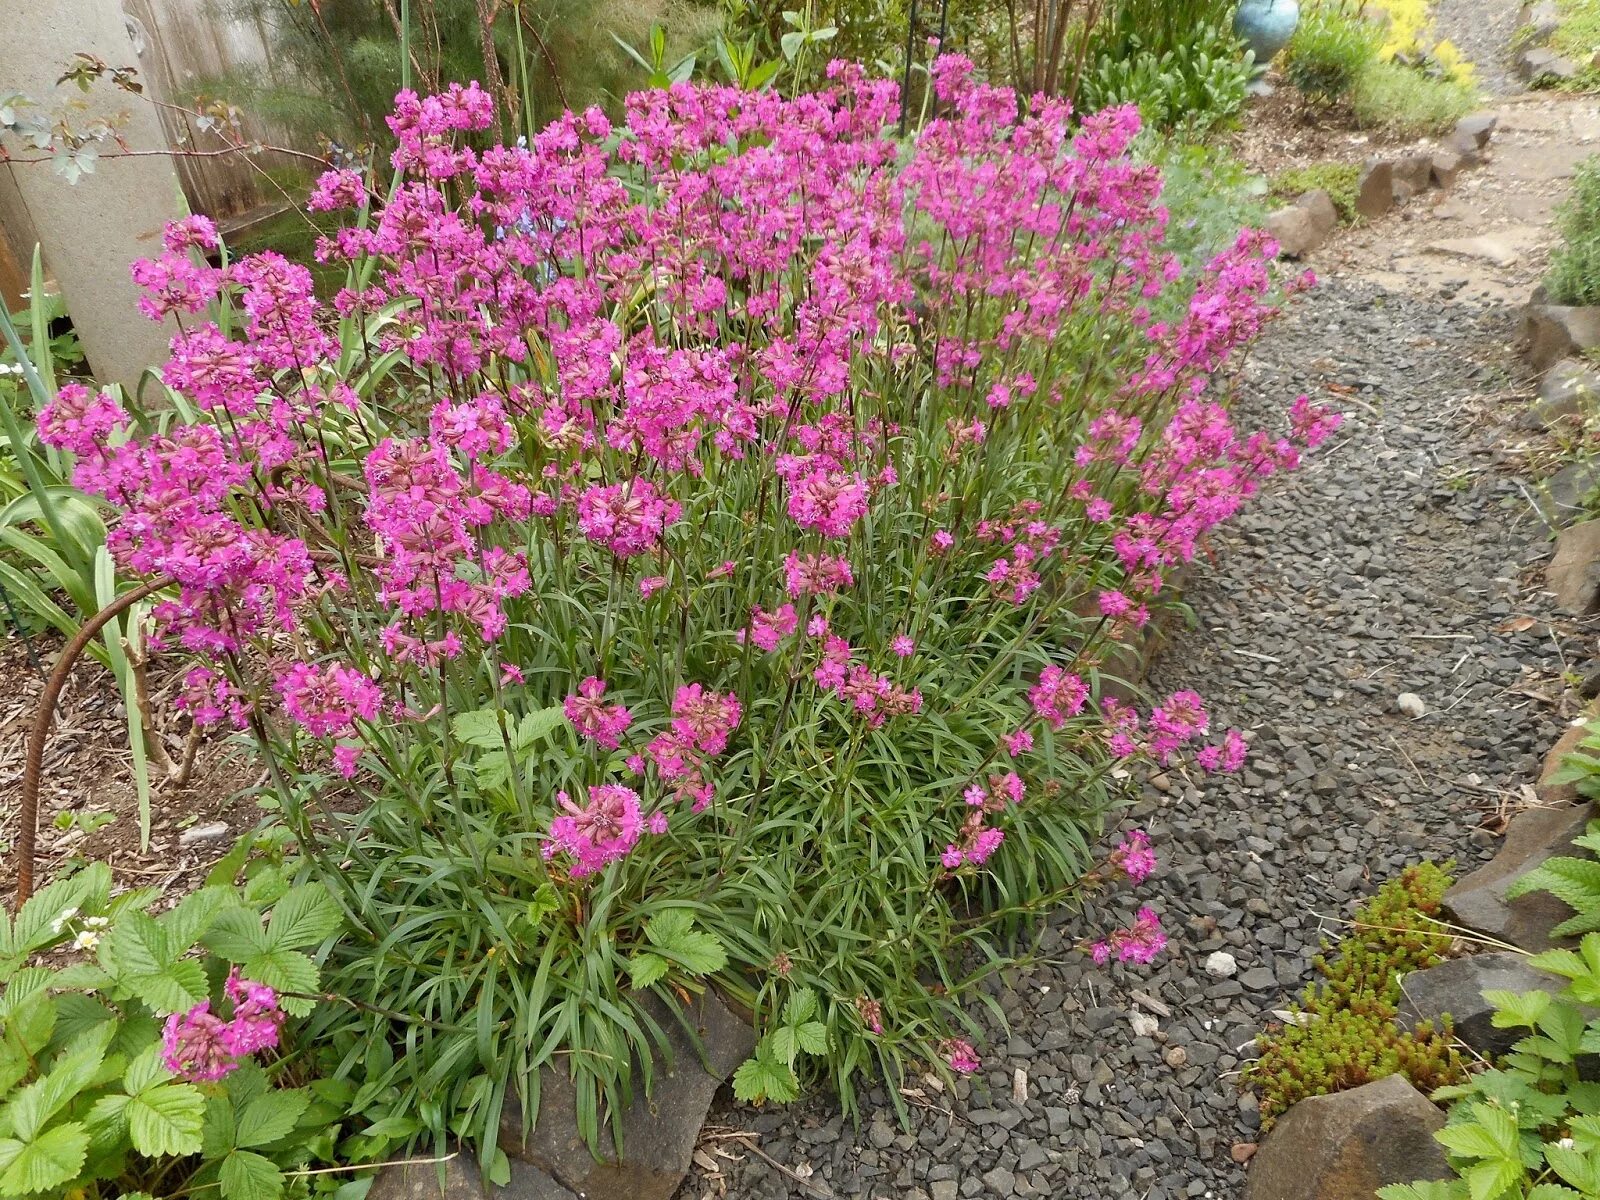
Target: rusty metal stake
(28, 835)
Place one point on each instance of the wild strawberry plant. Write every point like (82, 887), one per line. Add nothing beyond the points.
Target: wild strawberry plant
(693, 552)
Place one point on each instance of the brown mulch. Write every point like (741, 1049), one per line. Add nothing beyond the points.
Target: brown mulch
(88, 774)
(1281, 131)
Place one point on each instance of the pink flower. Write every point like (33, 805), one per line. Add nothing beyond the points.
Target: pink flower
(1058, 696)
(600, 832)
(510, 673)
(628, 518)
(963, 1059)
(830, 502)
(651, 584)
(201, 1047)
(192, 232)
(327, 701)
(1138, 943)
(600, 722)
(768, 629)
(703, 718)
(903, 646)
(192, 1045)
(1133, 856)
(816, 574)
(1019, 742)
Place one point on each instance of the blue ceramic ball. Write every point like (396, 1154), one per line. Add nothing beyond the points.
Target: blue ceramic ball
(1266, 26)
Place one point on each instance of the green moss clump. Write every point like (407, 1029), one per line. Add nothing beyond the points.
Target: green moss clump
(1343, 1032)
(1342, 181)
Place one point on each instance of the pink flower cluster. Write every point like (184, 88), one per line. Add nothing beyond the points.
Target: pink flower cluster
(201, 1047)
(702, 722)
(1138, 943)
(597, 833)
(633, 401)
(594, 719)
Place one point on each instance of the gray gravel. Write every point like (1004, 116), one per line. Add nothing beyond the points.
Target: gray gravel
(1391, 563)
(1482, 30)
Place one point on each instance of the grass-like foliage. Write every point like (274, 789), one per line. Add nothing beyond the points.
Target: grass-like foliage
(1574, 276)
(688, 553)
(1343, 1032)
(1341, 180)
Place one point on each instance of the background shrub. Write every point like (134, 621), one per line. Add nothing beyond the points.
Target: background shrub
(1409, 101)
(1331, 47)
(1180, 62)
(1574, 276)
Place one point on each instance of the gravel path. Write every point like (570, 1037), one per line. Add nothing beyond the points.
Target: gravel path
(1390, 564)
(1482, 31)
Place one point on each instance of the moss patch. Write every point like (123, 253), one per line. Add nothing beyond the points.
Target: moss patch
(1342, 181)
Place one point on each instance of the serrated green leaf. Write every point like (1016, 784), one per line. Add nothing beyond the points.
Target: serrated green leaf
(646, 968)
(1491, 1179)
(759, 1079)
(303, 916)
(166, 1118)
(1470, 1140)
(43, 1163)
(801, 1007)
(176, 989)
(783, 1045)
(236, 934)
(813, 1037)
(537, 725)
(187, 922)
(270, 1116)
(1573, 1165)
(285, 971)
(480, 728)
(1514, 1009)
(31, 1108)
(1452, 1189)
(247, 1175)
(1552, 1191)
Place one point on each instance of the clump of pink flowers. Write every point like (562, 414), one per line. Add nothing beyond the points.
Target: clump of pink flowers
(201, 1047)
(1139, 942)
(734, 444)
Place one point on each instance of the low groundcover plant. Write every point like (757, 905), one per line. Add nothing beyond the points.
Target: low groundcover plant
(691, 553)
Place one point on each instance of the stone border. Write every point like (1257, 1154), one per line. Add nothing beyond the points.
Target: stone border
(1306, 224)
(1534, 61)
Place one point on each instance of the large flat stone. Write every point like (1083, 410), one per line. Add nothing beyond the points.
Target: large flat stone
(1555, 331)
(1456, 987)
(1567, 392)
(659, 1131)
(1573, 575)
(1375, 194)
(1348, 1145)
(462, 1181)
(1478, 901)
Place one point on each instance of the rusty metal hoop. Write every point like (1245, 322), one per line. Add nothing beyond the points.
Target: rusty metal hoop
(28, 835)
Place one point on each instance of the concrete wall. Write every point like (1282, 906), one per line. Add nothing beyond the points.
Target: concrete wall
(91, 231)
